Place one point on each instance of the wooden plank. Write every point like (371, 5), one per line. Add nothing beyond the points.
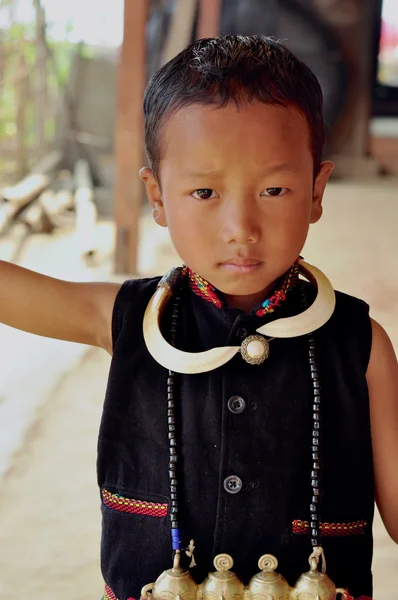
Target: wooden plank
(35, 217)
(46, 213)
(208, 19)
(7, 213)
(26, 191)
(33, 184)
(128, 136)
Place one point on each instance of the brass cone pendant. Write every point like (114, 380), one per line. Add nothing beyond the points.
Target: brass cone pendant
(174, 583)
(315, 585)
(224, 584)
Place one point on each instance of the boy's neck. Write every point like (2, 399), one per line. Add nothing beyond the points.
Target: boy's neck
(249, 302)
(261, 302)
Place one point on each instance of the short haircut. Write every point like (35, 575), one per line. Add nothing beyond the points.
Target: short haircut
(233, 68)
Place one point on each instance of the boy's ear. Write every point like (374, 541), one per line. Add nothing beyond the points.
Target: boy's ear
(154, 196)
(319, 187)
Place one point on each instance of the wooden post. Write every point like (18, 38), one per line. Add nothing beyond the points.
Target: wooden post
(180, 28)
(128, 137)
(209, 18)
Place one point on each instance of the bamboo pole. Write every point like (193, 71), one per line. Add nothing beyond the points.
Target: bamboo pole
(128, 137)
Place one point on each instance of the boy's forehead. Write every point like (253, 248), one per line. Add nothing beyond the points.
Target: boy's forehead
(210, 135)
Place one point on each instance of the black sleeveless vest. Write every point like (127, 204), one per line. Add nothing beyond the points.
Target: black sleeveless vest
(262, 437)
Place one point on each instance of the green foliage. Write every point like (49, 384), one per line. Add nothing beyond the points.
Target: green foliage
(20, 39)
(21, 31)
(87, 52)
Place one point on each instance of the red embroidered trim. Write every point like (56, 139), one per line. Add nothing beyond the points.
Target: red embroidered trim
(108, 594)
(332, 529)
(138, 507)
(348, 597)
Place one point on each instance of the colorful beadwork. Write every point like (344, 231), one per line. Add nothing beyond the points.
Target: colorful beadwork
(206, 290)
(138, 507)
(203, 288)
(332, 529)
(289, 281)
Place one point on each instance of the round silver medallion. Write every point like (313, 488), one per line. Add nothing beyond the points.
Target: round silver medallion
(254, 349)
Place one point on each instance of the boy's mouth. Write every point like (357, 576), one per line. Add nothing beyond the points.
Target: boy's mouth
(242, 265)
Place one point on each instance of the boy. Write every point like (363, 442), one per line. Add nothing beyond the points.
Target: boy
(234, 135)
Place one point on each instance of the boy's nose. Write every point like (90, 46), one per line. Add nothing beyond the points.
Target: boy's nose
(240, 223)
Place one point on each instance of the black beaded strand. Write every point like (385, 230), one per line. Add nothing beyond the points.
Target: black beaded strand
(172, 435)
(316, 449)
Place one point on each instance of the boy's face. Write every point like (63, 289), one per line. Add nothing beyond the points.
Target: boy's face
(237, 193)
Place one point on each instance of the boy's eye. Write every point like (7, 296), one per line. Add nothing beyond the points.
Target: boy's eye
(204, 194)
(275, 191)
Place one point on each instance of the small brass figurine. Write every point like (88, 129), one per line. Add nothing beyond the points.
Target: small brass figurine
(173, 584)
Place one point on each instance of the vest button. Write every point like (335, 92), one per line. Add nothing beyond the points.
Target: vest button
(236, 405)
(232, 484)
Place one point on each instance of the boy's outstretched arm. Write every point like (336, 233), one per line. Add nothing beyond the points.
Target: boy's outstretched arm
(382, 378)
(76, 312)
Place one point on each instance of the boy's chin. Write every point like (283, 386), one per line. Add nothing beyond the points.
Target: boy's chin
(257, 290)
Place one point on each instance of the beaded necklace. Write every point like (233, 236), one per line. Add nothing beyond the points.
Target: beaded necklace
(172, 404)
(177, 581)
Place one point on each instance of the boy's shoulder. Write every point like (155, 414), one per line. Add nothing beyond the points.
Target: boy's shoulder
(351, 313)
(351, 320)
(135, 287)
(348, 307)
(349, 331)
(131, 300)
(345, 302)
(134, 291)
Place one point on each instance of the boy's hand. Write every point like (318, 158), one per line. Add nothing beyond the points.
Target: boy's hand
(75, 312)
(382, 378)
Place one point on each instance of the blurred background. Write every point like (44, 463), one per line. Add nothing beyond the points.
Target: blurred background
(72, 76)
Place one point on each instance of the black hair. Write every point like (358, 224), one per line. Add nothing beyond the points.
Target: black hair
(233, 68)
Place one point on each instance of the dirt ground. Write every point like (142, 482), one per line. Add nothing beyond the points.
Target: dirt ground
(49, 502)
